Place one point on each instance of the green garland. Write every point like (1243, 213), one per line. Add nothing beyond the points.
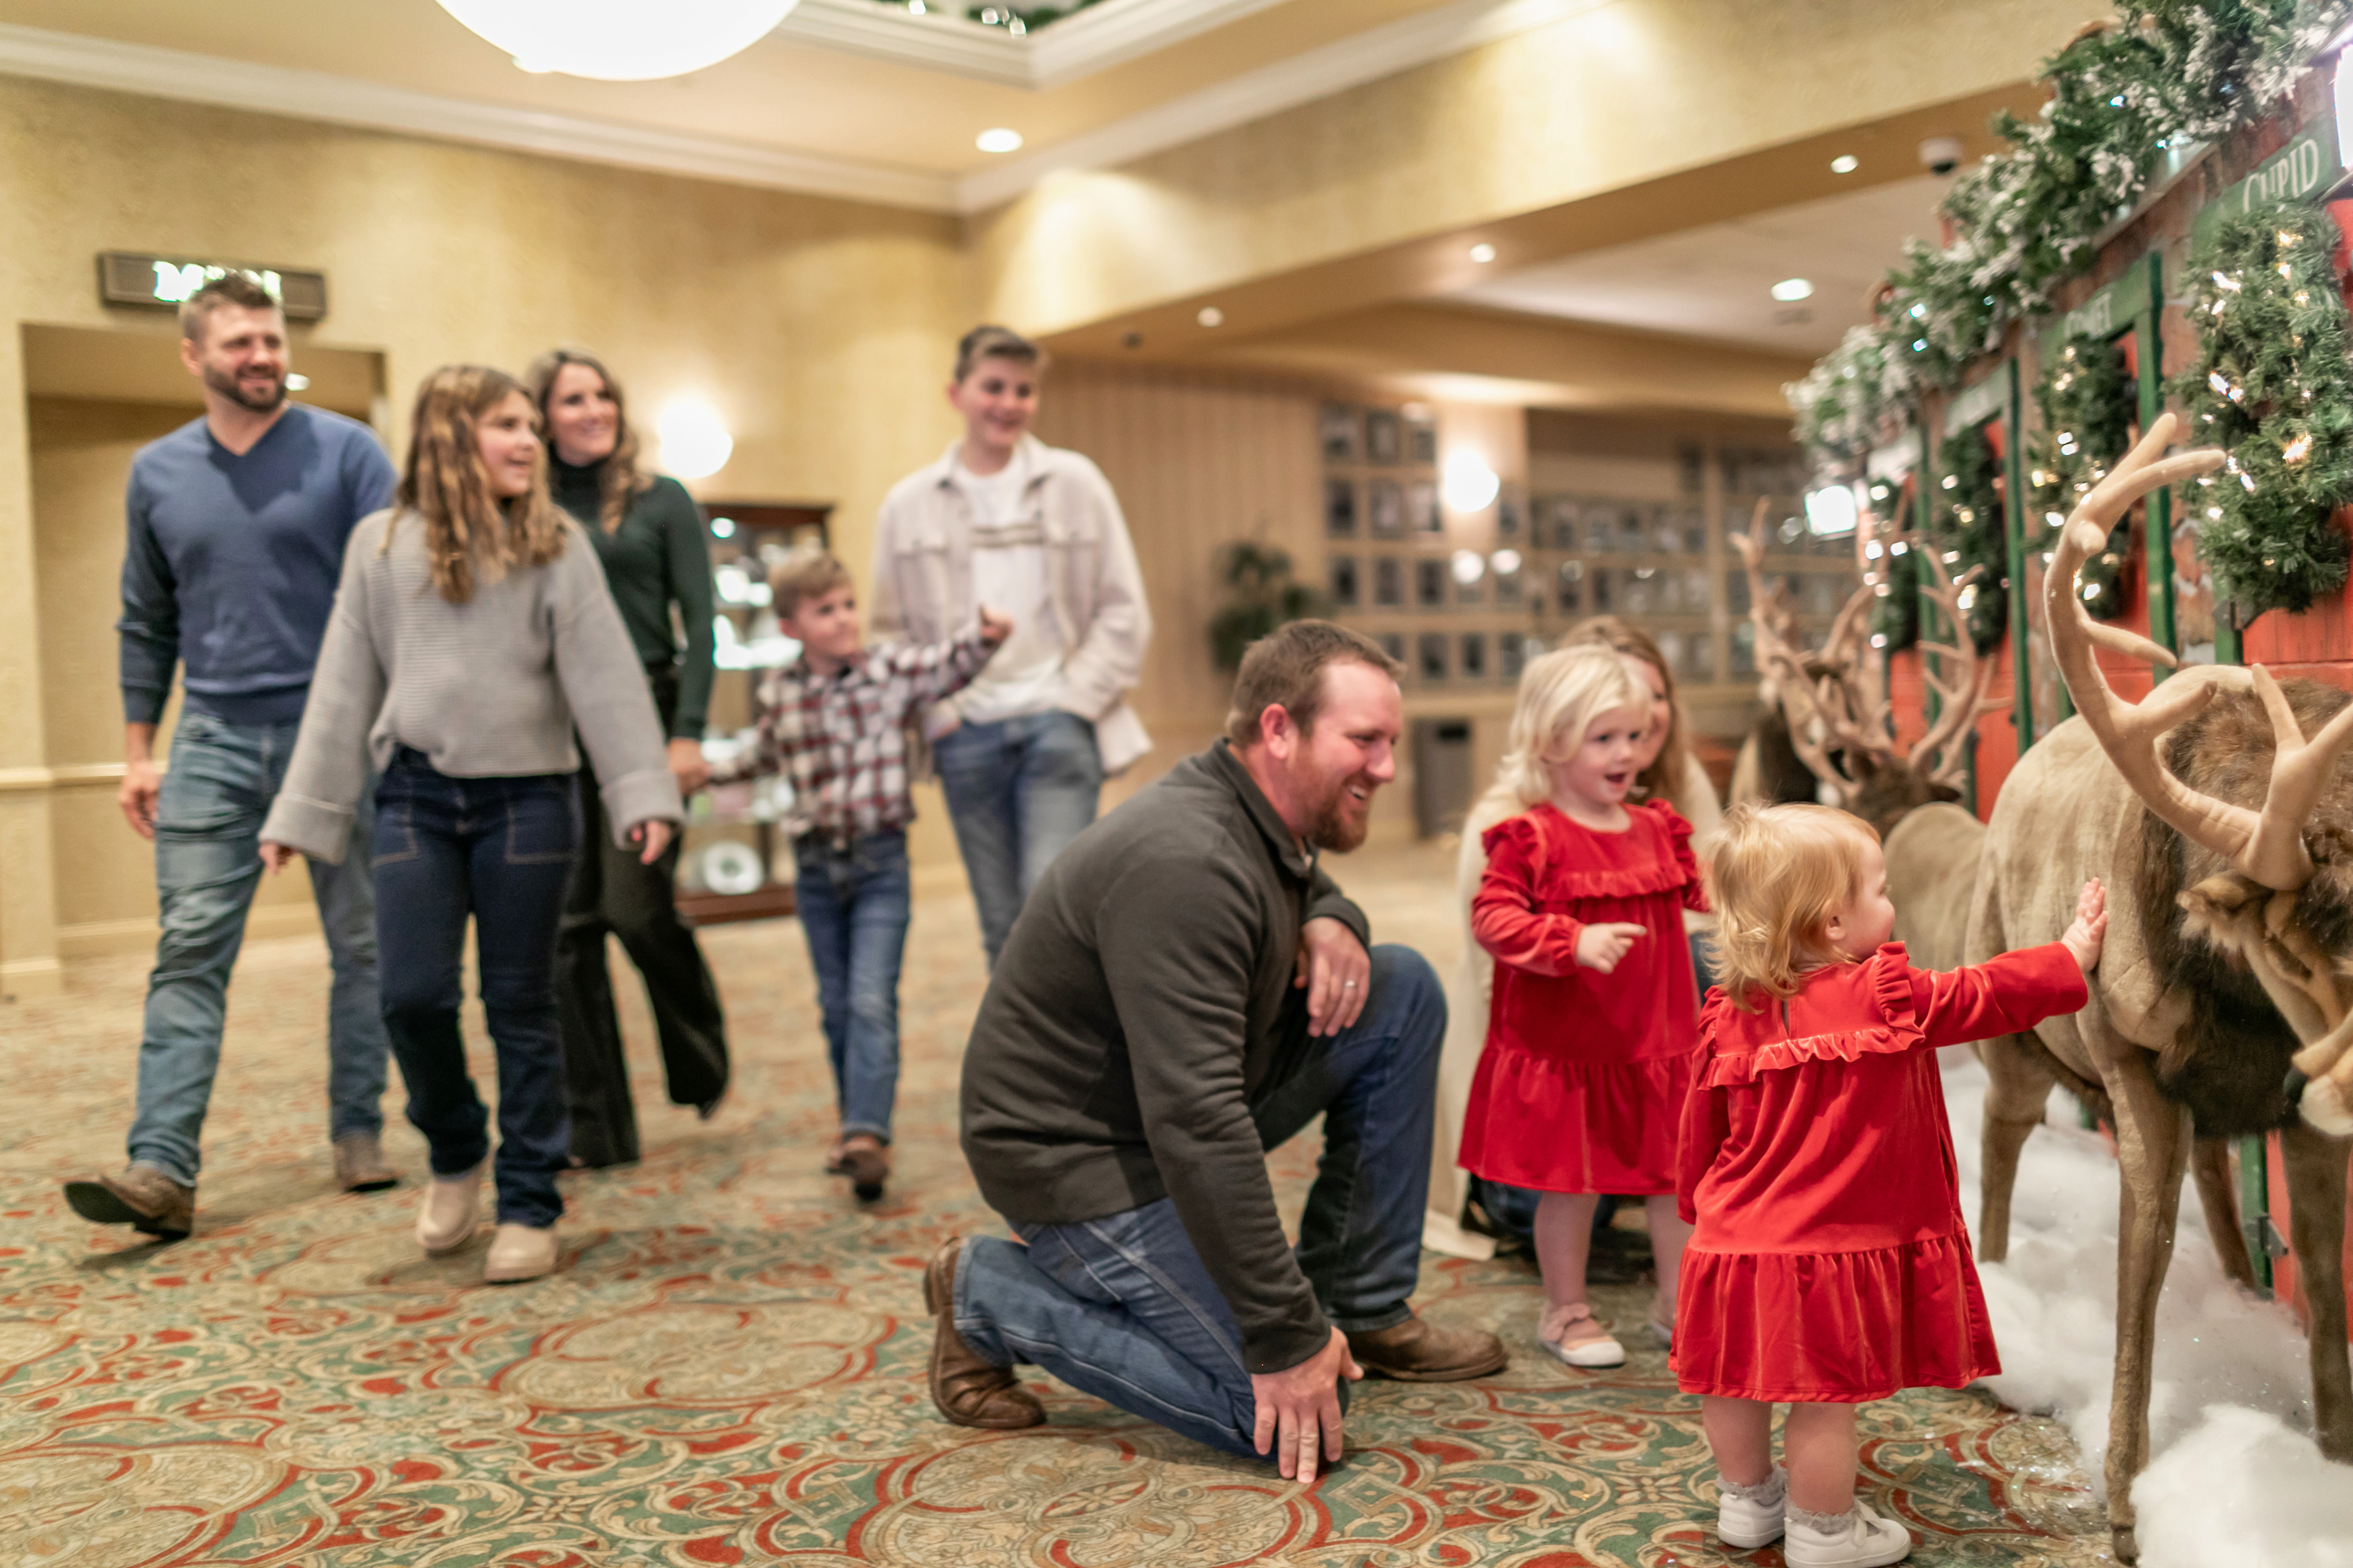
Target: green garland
(1895, 618)
(1965, 530)
(2273, 388)
(2088, 404)
(2123, 101)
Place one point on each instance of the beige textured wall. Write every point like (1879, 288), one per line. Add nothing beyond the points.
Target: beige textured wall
(1612, 96)
(818, 328)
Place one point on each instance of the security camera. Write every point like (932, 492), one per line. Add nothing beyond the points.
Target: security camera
(1942, 154)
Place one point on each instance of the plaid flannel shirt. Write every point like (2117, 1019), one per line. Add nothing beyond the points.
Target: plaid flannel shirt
(842, 741)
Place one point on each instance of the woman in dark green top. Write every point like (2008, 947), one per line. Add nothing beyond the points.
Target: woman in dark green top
(648, 534)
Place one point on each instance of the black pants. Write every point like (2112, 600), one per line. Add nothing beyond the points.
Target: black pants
(613, 891)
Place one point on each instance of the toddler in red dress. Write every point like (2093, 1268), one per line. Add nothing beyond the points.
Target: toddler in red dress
(1590, 1037)
(1830, 1264)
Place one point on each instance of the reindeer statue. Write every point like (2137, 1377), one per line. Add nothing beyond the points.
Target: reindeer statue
(2225, 839)
(1837, 714)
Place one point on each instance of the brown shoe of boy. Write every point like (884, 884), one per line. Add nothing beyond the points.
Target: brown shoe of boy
(359, 1163)
(142, 1197)
(1419, 1350)
(969, 1390)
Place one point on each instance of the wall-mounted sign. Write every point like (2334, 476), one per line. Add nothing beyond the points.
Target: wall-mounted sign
(1892, 462)
(2113, 308)
(165, 282)
(1975, 404)
(2300, 170)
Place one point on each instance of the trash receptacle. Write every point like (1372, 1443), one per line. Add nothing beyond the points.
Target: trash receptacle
(1441, 774)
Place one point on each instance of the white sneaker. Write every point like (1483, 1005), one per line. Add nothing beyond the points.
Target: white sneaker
(450, 1209)
(1593, 1354)
(1750, 1517)
(1859, 1539)
(520, 1252)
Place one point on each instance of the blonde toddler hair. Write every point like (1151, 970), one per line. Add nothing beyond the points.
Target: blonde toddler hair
(1778, 874)
(1561, 694)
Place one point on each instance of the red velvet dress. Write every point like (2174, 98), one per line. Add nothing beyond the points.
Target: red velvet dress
(1832, 1264)
(1582, 1080)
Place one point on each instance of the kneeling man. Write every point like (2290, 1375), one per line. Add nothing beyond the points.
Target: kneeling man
(1184, 990)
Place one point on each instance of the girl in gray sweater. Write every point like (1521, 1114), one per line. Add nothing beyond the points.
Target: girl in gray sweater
(471, 635)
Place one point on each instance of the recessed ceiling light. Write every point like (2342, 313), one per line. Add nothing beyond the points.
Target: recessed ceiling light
(1845, 164)
(998, 139)
(1211, 316)
(1483, 253)
(1793, 289)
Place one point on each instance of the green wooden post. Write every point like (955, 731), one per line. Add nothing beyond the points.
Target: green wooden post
(2255, 1206)
(2157, 528)
(2022, 678)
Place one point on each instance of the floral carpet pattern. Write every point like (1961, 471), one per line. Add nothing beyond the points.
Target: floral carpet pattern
(728, 1367)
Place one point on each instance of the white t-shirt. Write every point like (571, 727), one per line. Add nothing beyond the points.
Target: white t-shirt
(1008, 574)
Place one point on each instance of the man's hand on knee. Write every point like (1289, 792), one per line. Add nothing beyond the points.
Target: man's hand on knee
(1337, 972)
(1299, 1408)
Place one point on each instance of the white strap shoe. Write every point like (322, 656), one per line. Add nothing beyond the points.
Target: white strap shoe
(449, 1210)
(1750, 1517)
(1584, 1342)
(520, 1252)
(1857, 1539)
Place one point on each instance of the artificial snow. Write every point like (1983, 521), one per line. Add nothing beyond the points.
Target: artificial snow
(2235, 1475)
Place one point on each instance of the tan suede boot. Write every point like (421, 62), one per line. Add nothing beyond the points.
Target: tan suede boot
(142, 1197)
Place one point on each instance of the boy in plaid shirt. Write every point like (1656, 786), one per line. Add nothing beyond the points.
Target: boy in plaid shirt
(834, 722)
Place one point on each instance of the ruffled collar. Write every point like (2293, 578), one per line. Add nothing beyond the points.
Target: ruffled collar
(1885, 977)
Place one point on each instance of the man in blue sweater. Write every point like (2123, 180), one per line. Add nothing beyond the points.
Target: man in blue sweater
(236, 528)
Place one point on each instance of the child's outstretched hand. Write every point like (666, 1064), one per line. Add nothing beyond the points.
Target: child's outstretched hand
(2090, 927)
(1602, 946)
(996, 626)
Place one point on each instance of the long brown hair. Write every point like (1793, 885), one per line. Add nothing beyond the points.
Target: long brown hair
(472, 533)
(1665, 774)
(619, 479)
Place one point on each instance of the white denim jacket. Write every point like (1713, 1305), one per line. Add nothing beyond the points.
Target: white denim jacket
(922, 582)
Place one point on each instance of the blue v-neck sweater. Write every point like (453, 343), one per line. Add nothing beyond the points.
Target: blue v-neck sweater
(232, 562)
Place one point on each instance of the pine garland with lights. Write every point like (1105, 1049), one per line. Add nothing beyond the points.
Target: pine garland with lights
(2273, 388)
(1895, 618)
(1965, 533)
(2088, 402)
(2164, 74)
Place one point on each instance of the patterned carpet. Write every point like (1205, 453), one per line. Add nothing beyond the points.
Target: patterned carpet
(729, 1367)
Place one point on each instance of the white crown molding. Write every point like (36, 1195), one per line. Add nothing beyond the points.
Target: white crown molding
(1253, 95)
(1094, 39)
(342, 100)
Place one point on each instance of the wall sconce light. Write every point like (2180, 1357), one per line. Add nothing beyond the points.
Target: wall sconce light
(694, 442)
(1470, 485)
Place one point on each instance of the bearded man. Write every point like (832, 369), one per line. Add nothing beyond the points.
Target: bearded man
(1185, 990)
(236, 530)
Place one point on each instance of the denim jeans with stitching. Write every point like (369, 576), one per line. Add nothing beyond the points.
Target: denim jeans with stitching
(1019, 791)
(854, 907)
(1122, 1307)
(208, 816)
(500, 851)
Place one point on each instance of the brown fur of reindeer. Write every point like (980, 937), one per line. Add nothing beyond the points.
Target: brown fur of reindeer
(2225, 839)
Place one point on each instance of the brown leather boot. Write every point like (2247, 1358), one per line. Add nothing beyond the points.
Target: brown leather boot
(359, 1164)
(969, 1390)
(142, 1197)
(1418, 1350)
(868, 1167)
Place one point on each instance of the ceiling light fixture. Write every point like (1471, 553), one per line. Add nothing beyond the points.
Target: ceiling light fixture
(1483, 253)
(1791, 289)
(1210, 316)
(620, 40)
(1845, 164)
(1000, 139)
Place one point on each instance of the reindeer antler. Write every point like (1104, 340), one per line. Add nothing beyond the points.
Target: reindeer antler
(1843, 710)
(2267, 846)
(1958, 676)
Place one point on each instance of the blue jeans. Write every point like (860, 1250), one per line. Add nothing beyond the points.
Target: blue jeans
(208, 819)
(500, 851)
(1019, 791)
(854, 906)
(1122, 1307)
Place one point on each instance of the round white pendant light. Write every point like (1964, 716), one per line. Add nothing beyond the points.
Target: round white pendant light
(694, 440)
(620, 40)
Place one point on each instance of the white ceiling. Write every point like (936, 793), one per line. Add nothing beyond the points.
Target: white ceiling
(1716, 281)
